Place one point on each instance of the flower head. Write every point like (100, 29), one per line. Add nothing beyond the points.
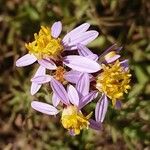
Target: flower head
(114, 78)
(41, 78)
(113, 81)
(60, 74)
(48, 47)
(45, 45)
(74, 99)
(73, 119)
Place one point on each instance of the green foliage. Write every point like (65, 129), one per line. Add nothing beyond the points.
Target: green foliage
(122, 22)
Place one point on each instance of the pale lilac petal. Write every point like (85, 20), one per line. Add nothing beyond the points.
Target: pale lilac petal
(95, 125)
(48, 64)
(110, 60)
(73, 95)
(44, 108)
(87, 99)
(75, 32)
(55, 100)
(34, 88)
(56, 29)
(60, 91)
(83, 38)
(41, 79)
(72, 76)
(83, 84)
(93, 57)
(26, 60)
(80, 63)
(125, 64)
(40, 71)
(118, 104)
(84, 51)
(101, 108)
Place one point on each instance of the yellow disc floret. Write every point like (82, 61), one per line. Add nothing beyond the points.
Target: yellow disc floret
(45, 45)
(73, 120)
(113, 81)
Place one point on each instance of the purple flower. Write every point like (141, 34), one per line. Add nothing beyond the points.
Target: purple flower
(60, 74)
(74, 99)
(47, 47)
(82, 88)
(114, 78)
(112, 81)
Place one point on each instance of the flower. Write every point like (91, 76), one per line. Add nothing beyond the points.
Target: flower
(74, 99)
(114, 77)
(113, 80)
(46, 44)
(60, 74)
(48, 47)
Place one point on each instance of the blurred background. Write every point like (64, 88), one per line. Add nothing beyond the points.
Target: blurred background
(125, 22)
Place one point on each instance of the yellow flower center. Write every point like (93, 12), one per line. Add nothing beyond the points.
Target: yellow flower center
(45, 45)
(113, 81)
(59, 74)
(73, 120)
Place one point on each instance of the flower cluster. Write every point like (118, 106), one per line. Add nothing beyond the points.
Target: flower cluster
(77, 76)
